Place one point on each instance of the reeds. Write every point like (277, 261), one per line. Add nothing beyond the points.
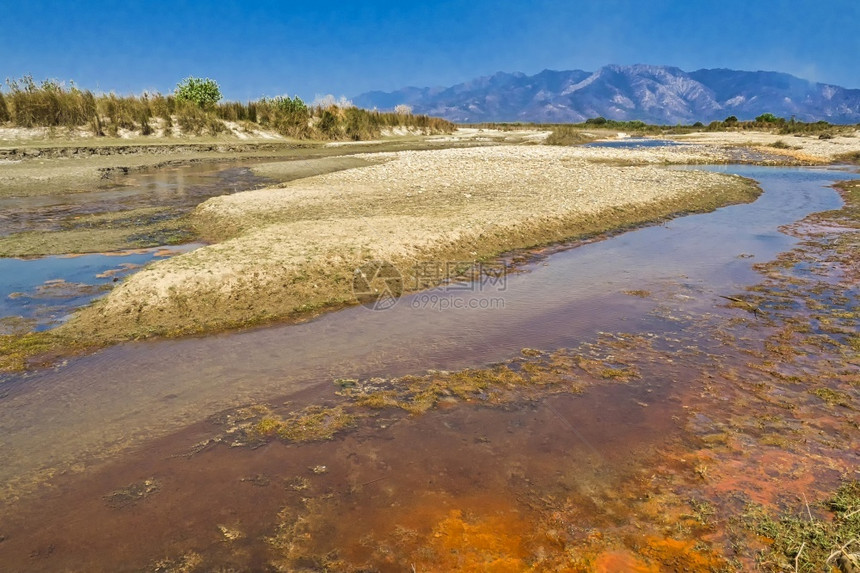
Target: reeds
(48, 105)
(52, 104)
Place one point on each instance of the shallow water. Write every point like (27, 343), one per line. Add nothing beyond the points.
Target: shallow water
(463, 480)
(175, 188)
(89, 407)
(635, 143)
(416, 474)
(43, 292)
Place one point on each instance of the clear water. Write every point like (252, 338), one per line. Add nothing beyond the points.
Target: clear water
(42, 292)
(124, 395)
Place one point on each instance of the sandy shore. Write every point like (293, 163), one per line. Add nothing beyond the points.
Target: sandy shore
(807, 148)
(293, 249)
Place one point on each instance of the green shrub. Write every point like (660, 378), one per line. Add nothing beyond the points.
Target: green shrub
(768, 118)
(290, 106)
(205, 93)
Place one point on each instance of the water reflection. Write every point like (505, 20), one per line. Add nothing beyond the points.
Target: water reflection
(178, 189)
(38, 294)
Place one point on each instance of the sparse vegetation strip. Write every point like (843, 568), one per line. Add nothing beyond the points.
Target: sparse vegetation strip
(195, 109)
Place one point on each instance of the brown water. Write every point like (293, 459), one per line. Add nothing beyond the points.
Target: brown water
(175, 190)
(74, 417)
(129, 392)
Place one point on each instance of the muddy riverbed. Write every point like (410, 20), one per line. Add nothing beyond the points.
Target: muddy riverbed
(602, 408)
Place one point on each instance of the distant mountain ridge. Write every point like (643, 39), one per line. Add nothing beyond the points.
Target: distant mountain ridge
(653, 94)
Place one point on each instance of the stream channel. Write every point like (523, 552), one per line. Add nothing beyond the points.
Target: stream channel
(73, 418)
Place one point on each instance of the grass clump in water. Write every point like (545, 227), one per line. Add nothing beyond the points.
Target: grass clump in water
(801, 541)
(311, 424)
(832, 397)
(16, 350)
(499, 384)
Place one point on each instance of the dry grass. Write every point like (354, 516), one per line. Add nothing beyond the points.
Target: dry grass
(52, 104)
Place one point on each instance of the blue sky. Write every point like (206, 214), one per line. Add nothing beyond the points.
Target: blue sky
(269, 48)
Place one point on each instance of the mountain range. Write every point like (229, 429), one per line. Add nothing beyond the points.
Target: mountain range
(653, 94)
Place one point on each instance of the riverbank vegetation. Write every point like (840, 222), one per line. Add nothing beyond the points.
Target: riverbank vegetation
(52, 104)
(593, 128)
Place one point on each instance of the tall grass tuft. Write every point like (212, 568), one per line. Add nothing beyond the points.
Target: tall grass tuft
(568, 135)
(4, 110)
(50, 104)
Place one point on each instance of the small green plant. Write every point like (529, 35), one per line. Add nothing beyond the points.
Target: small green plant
(289, 105)
(780, 144)
(203, 92)
(768, 118)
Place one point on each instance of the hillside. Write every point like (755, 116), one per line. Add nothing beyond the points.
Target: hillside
(653, 94)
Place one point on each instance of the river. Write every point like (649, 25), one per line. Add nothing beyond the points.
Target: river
(73, 417)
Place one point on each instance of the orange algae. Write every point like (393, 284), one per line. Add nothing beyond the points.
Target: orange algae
(621, 562)
(488, 544)
(681, 555)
